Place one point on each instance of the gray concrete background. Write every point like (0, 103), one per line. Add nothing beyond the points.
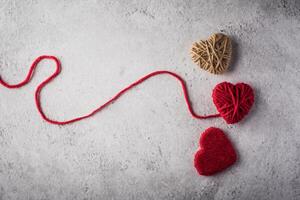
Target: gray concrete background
(142, 146)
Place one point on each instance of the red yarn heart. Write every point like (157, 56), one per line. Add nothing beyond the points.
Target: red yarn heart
(216, 152)
(233, 101)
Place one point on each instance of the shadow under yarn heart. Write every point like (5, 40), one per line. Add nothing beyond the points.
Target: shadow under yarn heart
(216, 152)
(233, 102)
(213, 54)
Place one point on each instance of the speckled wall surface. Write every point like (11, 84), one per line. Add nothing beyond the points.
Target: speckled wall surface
(142, 146)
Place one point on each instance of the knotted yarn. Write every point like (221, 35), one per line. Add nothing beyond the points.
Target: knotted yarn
(213, 54)
(233, 101)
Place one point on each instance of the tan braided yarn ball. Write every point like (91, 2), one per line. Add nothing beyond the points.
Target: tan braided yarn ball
(213, 54)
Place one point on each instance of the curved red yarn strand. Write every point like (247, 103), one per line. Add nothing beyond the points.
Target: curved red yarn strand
(119, 94)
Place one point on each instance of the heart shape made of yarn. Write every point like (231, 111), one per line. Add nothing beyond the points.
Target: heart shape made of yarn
(213, 54)
(216, 152)
(233, 102)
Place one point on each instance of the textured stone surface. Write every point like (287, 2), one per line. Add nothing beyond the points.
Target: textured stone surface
(142, 146)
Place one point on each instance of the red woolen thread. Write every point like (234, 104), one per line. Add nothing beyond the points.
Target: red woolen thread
(233, 101)
(216, 152)
(119, 94)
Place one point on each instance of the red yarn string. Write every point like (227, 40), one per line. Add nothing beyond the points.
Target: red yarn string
(119, 94)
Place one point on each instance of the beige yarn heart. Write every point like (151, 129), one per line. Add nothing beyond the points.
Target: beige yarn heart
(214, 54)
